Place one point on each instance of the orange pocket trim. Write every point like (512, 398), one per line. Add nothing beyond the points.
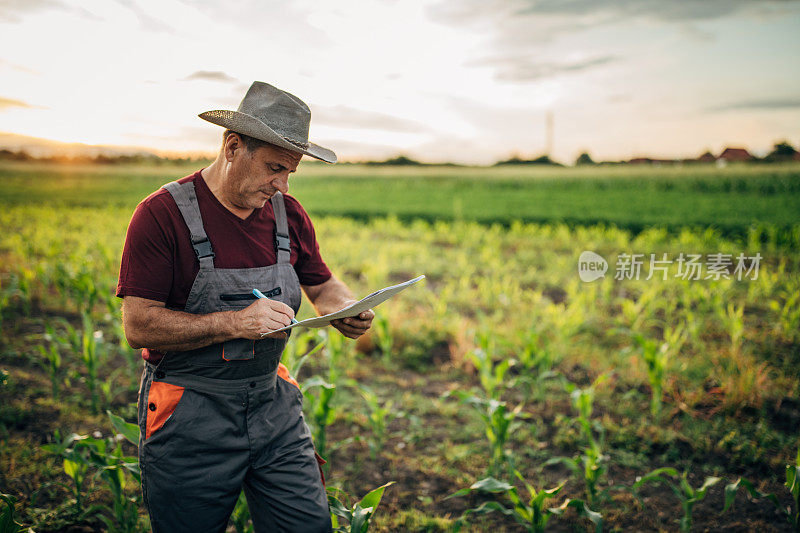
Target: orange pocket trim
(320, 462)
(162, 400)
(283, 373)
(226, 359)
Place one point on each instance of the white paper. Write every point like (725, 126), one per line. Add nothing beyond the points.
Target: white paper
(354, 309)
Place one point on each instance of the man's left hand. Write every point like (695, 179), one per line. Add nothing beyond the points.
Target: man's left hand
(355, 326)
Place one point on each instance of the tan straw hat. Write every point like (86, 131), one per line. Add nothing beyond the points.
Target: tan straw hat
(274, 116)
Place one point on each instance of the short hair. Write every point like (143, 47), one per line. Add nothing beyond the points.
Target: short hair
(251, 143)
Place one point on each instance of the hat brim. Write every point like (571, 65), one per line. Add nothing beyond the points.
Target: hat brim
(253, 127)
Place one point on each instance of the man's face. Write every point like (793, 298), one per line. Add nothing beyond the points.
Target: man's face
(253, 177)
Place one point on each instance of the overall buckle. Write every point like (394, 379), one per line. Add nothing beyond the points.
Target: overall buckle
(203, 248)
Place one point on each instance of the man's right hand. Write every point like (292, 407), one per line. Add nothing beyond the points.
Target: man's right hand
(261, 316)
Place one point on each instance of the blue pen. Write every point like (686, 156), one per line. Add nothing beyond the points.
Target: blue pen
(258, 294)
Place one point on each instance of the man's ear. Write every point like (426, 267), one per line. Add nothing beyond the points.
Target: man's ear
(233, 142)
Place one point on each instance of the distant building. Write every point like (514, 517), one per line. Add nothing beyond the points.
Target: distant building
(707, 157)
(735, 155)
(651, 161)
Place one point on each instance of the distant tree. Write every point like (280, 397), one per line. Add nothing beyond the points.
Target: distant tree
(584, 159)
(400, 160)
(516, 160)
(782, 151)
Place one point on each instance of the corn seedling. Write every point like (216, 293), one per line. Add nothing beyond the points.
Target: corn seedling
(8, 524)
(53, 357)
(656, 357)
(592, 464)
(380, 414)
(688, 495)
(733, 318)
(319, 396)
(499, 422)
(383, 334)
(535, 355)
(90, 357)
(788, 315)
(532, 513)
(355, 519)
(297, 349)
(792, 484)
(492, 375)
(76, 464)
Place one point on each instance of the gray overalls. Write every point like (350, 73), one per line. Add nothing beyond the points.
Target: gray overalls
(227, 416)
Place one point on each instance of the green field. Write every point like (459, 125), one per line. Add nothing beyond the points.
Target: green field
(501, 360)
(729, 199)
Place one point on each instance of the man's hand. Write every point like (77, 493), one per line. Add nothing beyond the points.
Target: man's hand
(261, 316)
(354, 326)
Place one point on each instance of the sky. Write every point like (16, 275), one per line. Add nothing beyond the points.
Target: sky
(468, 81)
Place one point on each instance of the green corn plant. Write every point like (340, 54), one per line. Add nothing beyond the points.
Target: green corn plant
(688, 495)
(355, 519)
(76, 464)
(84, 291)
(114, 468)
(337, 352)
(383, 334)
(319, 397)
(492, 375)
(532, 513)
(90, 357)
(583, 402)
(122, 516)
(788, 314)
(298, 349)
(240, 518)
(499, 422)
(656, 357)
(380, 414)
(592, 463)
(536, 356)
(8, 524)
(53, 357)
(792, 483)
(733, 318)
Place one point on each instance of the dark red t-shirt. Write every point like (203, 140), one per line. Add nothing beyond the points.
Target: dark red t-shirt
(159, 263)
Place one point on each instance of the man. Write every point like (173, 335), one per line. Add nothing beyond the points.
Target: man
(217, 410)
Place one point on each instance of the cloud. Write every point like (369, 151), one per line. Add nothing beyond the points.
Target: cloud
(147, 21)
(6, 103)
(342, 116)
(765, 104)
(15, 10)
(211, 75)
(524, 68)
(601, 11)
(516, 30)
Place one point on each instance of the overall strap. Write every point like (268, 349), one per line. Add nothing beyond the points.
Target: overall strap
(282, 242)
(186, 198)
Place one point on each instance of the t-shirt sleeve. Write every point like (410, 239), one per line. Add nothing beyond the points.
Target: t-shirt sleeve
(310, 267)
(146, 269)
